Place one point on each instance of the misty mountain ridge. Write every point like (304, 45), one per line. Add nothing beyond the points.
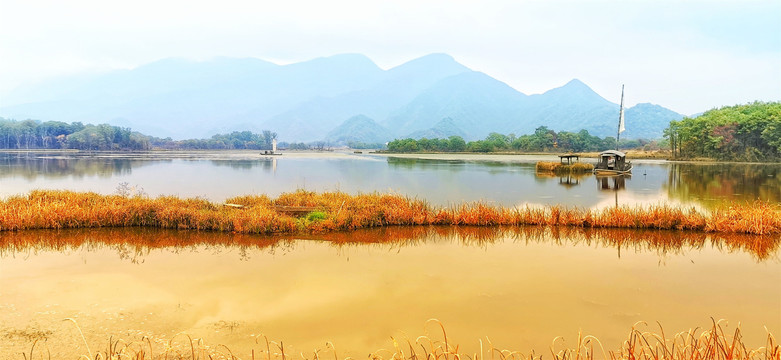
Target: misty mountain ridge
(443, 129)
(358, 129)
(321, 99)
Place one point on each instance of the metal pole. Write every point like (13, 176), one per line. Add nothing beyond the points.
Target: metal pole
(620, 116)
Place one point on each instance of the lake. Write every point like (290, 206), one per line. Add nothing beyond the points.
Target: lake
(520, 288)
(440, 179)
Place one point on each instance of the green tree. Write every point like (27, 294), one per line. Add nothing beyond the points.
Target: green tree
(743, 132)
(456, 143)
(498, 141)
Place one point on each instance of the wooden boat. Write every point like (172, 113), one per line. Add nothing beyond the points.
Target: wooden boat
(613, 162)
(273, 150)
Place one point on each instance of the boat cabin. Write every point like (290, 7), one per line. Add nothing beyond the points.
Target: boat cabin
(613, 162)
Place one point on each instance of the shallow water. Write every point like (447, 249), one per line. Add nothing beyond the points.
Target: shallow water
(439, 179)
(520, 288)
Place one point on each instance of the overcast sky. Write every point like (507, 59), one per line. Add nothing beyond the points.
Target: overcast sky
(689, 56)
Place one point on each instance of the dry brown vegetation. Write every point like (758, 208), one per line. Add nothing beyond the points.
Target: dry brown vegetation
(559, 168)
(335, 211)
(707, 344)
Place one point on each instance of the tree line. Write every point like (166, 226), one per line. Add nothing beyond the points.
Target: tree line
(237, 140)
(35, 134)
(542, 140)
(750, 132)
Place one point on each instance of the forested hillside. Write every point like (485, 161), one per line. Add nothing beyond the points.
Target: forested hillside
(32, 134)
(35, 134)
(750, 132)
(542, 140)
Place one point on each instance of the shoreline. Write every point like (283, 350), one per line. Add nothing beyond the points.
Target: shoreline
(211, 153)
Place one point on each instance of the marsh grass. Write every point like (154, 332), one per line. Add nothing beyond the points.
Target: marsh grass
(714, 343)
(337, 211)
(559, 168)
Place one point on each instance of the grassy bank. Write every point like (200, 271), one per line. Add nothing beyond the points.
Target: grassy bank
(336, 211)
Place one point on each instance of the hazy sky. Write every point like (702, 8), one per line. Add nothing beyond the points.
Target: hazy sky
(689, 56)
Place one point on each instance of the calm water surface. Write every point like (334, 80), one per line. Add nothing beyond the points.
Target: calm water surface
(439, 179)
(518, 287)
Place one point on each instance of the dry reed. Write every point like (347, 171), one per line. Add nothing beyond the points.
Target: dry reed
(337, 211)
(708, 344)
(559, 168)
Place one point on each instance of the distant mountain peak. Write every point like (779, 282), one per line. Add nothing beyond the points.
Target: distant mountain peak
(349, 57)
(358, 119)
(575, 89)
(647, 105)
(440, 61)
(170, 60)
(438, 57)
(339, 61)
(576, 83)
(447, 121)
(342, 58)
(443, 129)
(359, 128)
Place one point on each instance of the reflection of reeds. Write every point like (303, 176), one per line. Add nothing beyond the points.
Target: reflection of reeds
(134, 243)
(340, 211)
(707, 344)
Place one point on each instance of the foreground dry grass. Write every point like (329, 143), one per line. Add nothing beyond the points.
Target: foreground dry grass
(335, 211)
(707, 344)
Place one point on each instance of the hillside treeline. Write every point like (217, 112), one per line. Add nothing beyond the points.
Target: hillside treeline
(542, 140)
(237, 140)
(35, 134)
(750, 132)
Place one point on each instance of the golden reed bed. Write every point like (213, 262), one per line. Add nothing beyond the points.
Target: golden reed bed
(334, 211)
(695, 344)
(559, 168)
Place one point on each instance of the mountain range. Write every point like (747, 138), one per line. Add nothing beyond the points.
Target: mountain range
(339, 99)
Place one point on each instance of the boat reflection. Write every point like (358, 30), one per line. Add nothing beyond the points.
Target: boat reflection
(612, 182)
